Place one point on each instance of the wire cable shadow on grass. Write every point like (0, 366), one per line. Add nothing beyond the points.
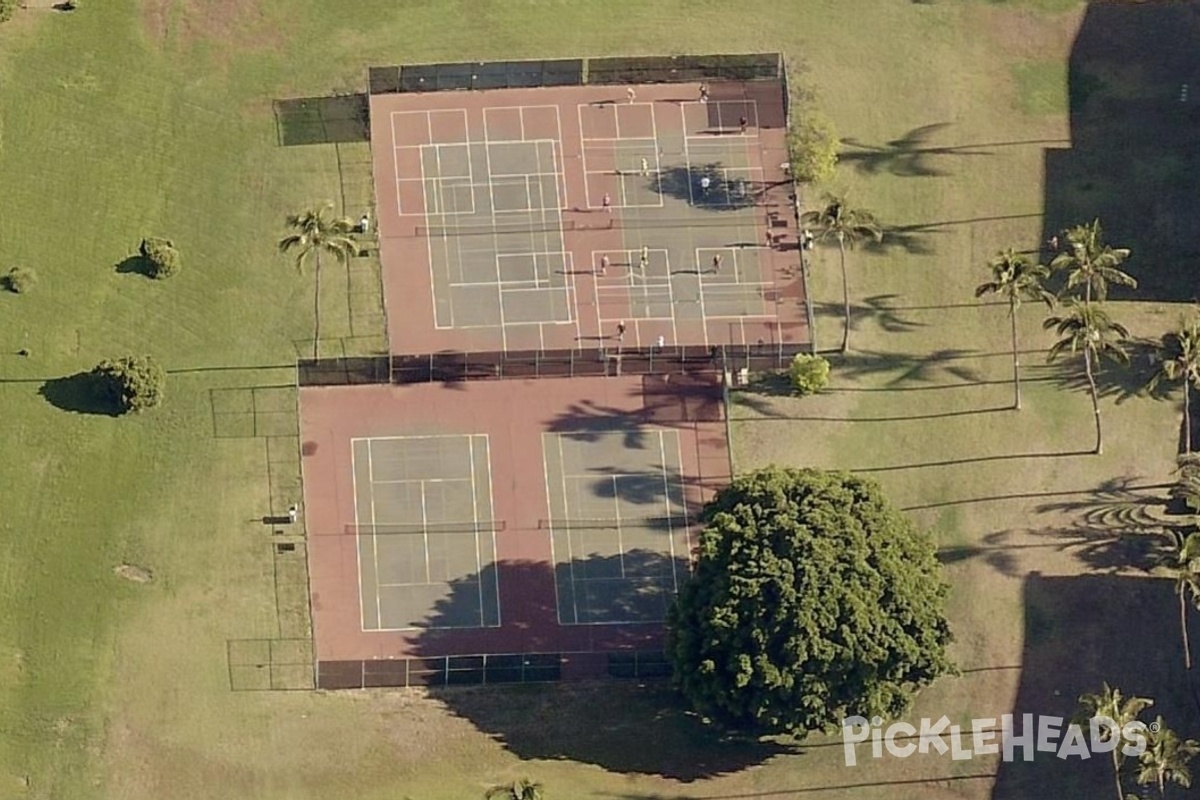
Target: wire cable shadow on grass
(976, 460)
(82, 393)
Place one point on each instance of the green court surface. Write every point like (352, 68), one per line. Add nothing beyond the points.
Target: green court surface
(423, 520)
(618, 524)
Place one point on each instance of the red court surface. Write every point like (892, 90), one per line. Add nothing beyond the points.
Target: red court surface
(517, 419)
(493, 221)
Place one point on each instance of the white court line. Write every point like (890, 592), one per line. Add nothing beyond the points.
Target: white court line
(550, 515)
(408, 436)
(362, 611)
(687, 529)
(374, 536)
(475, 517)
(671, 300)
(492, 506)
(617, 516)
(425, 532)
(662, 454)
(562, 460)
(393, 481)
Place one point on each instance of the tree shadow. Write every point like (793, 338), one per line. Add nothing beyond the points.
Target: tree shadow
(938, 365)
(1114, 379)
(877, 308)
(712, 187)
(1082, 631)
(608, 724)
(914, 239)
(909, 156)
(135, 264)
(83, 393)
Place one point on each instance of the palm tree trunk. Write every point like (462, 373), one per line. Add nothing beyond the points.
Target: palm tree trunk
(1012, 315)
(317, 309)
(1087, 365)
(1117, 772)
(1187, 650)
(845, 292)
(1187, 417)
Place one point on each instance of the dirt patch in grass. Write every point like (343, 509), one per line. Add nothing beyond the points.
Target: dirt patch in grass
(135, 574)
(232, 25)
(1025, 34)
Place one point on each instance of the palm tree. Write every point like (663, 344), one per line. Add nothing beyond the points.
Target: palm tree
(1187, 582)
(836, 219)
(1089, 330)
(521, 789)
(1016, 278)
(1166, 757)
(1179, 360)
(1121, 710)
(1090, 262)
(315, 232)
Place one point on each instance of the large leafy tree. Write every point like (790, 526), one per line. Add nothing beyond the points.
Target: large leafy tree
(847, 225)
(1166, 758)
(315, 232)
(1179, 361)
(1088, 330)
(1091, 263)
(1111, 703)
(520, 789)
(1016, 278)
(812, 600)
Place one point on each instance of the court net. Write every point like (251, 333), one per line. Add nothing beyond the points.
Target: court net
(603, 222)
(614, 523)
(467, 526)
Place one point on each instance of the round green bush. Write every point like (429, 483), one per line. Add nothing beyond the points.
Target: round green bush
(19, 280)
(808, 374)
(7, 9)
(162, 259)
(132, 383)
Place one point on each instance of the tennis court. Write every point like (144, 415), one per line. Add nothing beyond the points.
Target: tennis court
(423, 520)
(501, 517)
(522, 219)
(618, 523)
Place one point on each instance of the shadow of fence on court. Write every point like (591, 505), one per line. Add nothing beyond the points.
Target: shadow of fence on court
(604, 361)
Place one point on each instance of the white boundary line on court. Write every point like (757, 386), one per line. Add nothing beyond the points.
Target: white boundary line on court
(562, 460)
(362, 609)
(374, 537)
(475, 516)
(687, 529)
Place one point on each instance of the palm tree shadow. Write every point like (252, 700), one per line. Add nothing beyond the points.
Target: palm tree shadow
(908, 156)
(878, 308)
(1114, 379)
(905, 368)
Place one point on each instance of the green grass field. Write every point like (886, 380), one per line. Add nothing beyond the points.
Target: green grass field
(126, 119)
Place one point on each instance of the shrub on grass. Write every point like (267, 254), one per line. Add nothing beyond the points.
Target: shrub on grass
(7, 9)
(133, 383)
(813, 148)
(162, 259)
(808, 374)
(19, 280)
(812, 600)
